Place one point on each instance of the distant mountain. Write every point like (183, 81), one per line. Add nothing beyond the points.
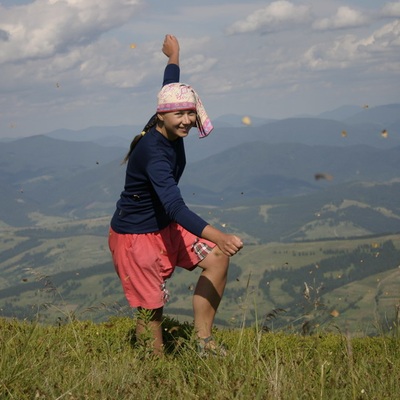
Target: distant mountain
(257, 162)
(80, 178)
(83, 180)
(381, 115)
(310, 131)
(15, 205)
(341, 127)
(34, 169)
(114, 136)
(236, 121)
(40, 155)
(363, 129)
(341, 113)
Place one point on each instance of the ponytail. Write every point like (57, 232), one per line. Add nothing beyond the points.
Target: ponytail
(152, 122)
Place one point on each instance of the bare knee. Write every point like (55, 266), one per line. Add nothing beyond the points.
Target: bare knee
(216, 259)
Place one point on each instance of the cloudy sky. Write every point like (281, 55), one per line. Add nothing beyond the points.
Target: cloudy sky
(71, 63)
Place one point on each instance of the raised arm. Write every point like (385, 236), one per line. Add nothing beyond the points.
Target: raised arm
(171, 75)
(171, 50)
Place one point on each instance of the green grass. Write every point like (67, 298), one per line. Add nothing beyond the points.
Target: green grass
(85, 360)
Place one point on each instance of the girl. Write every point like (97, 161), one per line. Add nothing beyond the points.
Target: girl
(152, 230)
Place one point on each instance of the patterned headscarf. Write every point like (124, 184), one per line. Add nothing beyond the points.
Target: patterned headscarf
(179, 96)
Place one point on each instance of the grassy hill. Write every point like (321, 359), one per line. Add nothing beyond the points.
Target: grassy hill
(66, 266)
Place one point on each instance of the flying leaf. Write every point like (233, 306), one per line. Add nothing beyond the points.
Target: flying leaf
(335, 313)
(246, 121)
(323, 176)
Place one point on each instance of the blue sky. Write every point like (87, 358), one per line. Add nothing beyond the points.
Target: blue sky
(69, 63)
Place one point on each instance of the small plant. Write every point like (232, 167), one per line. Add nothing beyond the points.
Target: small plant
(271, 316)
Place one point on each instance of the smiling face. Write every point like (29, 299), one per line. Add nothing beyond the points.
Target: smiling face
(176, 124)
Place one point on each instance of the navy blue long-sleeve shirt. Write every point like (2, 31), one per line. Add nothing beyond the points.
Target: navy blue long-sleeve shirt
(151, 199)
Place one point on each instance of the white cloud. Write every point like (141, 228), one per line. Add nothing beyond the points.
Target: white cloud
(276, 15)
(345, 17)
(69, 63)
(386, 38)
(391, 9)
(349, 51)
(339, 54)
(46, 27)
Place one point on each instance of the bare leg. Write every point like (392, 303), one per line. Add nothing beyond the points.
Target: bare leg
(209, 290)
(148, 328)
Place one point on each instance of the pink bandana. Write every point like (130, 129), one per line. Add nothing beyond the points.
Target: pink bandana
(179, 96)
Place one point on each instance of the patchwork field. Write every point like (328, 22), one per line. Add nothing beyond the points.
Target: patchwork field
(58, 268)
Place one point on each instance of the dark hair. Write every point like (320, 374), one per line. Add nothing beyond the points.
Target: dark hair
(152, 122)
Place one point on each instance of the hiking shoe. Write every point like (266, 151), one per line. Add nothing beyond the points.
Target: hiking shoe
(209, 347)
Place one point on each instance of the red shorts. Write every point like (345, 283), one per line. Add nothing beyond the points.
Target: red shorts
(144, 261)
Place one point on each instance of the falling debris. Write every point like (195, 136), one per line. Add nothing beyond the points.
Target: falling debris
(306, 291)
(384, 133)
(246, 121)
(133, 46)
(323, 176)
(335, 313)
(344, 134)
(57, 85)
